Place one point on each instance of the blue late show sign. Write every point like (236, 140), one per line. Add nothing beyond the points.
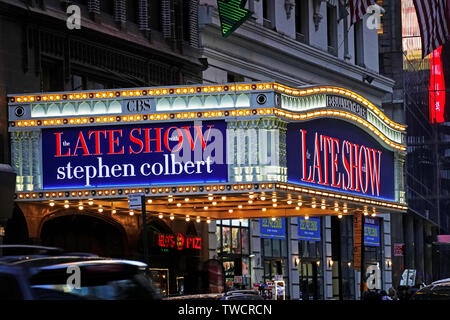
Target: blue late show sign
(371, 232)
(140, 154)
(272, 229)
(337, 156)
(309, 229)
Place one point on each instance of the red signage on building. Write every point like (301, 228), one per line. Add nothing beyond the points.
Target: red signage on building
(179, 241)
(399, 249)
(437, 87)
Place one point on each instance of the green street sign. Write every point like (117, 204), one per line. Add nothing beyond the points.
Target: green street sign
(232, 14)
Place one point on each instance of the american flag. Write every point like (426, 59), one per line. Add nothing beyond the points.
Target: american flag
(358, 8)
(432, 16)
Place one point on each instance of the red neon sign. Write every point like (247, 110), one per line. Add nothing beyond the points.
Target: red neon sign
(436, 87)
(361, 163)
(179, 241)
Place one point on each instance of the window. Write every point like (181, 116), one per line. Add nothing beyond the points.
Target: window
(107, 6)
(233, 77)
(359, 44)
(332, 29)
(154, 14)
(301, 20)
(133, 10)
(268, 10)
(226, 239)
(52, 76)
(233, 247)
(186, 21)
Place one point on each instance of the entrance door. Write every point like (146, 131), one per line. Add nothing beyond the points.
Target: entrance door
(160, 279)
(308, 280)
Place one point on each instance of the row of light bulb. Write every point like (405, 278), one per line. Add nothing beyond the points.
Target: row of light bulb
(188, 218)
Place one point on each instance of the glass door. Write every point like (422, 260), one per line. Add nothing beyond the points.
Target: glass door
(308, 280)
(160, 279)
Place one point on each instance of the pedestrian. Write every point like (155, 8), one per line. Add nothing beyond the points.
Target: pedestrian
(392, 293)
(384, 296)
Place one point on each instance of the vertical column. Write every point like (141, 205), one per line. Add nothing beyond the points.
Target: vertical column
(212, 240)
(16, 159)
(36, 138)
(193, 23)
(400, 177)
(120, 12)
(292, 255)
(327, 275)
(167, 19)
(27, 160)
(257, 263)
(251, 170)
(94, 6)
(387, 251)
(428, 254)
(143, 16)
(419, 249)
(409, 242)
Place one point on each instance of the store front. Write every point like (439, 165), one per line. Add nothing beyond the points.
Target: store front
(233, 247)
(225, 153)
(310, 252)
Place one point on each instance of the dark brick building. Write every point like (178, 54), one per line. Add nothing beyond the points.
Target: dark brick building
(121, 43)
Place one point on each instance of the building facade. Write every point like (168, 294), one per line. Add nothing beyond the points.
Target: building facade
(109, 44)
(279, 181)
(418, 93)
(255, 220)
(303, 43)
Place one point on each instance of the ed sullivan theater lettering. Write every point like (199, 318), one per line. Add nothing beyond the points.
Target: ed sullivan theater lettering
(127, 155)
(333, 154)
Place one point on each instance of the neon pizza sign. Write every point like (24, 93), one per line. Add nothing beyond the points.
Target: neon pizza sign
(179, 241)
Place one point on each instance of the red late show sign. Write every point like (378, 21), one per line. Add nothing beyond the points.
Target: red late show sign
(335, 155)
(179, 241)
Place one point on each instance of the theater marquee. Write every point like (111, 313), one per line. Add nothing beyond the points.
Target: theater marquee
(226, 151)
(141, 154)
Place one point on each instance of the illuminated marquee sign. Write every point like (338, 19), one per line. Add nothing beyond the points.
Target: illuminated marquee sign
(144, 154)
(338, 102)
(335, 155)
(179, 241)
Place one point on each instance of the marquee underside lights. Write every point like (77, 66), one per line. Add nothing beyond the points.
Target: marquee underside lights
(236, 199)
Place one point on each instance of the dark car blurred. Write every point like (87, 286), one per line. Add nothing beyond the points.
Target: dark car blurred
(49, 274)
(438, 290)
(199, 296)
(242, 295)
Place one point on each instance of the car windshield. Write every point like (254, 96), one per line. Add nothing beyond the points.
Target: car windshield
(95, 283)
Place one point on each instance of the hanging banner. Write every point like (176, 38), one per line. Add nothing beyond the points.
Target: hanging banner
(371, 232)
(272, 229)
(139, 154)
(309, 229)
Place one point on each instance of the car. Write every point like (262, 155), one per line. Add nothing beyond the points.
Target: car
(438, 290)
(200, 296)
(242, 295)
(52, 274)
